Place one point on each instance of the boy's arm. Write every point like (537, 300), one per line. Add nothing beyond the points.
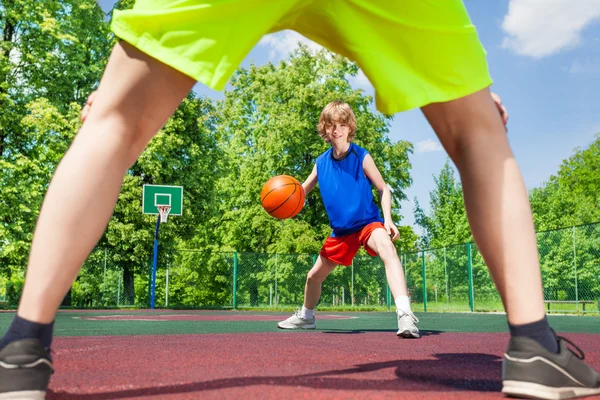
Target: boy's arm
(385, 195)
(310, 182)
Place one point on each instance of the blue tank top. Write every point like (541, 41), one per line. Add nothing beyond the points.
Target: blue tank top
(346, 191)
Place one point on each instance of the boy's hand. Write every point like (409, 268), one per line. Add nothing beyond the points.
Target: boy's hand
(391, 230)
(501, 108)
(88, 106)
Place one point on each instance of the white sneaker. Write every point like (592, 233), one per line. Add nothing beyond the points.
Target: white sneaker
(406, 325)
(297, 322)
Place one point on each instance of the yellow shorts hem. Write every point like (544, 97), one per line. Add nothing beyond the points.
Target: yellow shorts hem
(389, 107)
(174, 60)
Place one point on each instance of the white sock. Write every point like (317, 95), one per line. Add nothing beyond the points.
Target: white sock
(307, 314)
(403, 303)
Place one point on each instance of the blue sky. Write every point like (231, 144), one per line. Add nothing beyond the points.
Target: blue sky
(544, 57)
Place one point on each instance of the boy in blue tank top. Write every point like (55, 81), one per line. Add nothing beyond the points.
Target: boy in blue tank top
(345, 174)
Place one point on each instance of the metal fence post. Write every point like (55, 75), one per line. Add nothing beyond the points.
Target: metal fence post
(447, 281)
(104, 280)
(470, 272)
(150, 284)
(424, 281)
(352, 284)
(235, 270)
(389, 295)
(575, 268)
(276, 299)
(167, 287)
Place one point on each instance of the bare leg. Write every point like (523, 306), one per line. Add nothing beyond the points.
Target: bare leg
(136, 96)
(381, 243)
(498, 209)
(312, 291)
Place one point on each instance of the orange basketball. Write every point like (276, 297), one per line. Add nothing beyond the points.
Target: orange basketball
(282, 197)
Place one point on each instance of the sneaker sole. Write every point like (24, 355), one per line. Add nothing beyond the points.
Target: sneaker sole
(536, 391)
(297, 327)
(407, 335)
(24, 395)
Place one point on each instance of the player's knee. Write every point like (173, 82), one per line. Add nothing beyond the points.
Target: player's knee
(463, 122)
(387, 251)
(464, 144)
(126, 137)
(315, 276)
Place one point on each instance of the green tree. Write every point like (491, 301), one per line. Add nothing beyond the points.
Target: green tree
(54, 49)
(572, 196)
(569, 256)
(51, 55)
(447, 222)
(24, 180)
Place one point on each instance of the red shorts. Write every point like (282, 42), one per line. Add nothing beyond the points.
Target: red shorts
(342, 249)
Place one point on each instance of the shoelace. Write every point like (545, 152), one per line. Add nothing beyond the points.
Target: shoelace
(581, 355)
(412, 316)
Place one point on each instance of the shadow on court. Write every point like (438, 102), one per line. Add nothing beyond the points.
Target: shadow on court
(358, 331)
(444, 373)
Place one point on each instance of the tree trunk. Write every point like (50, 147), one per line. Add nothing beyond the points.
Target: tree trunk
(128, 286)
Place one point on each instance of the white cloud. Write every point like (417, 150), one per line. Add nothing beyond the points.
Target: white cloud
(428, 146)
(284, 42)
(588, 67)
(539, 28)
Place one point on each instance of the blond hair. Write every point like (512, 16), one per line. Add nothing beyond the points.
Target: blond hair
(337, 112)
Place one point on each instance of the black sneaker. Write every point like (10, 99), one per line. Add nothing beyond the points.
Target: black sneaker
(25, 369)
(531, 371)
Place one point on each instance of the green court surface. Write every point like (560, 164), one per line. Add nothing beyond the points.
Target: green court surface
(162, 322)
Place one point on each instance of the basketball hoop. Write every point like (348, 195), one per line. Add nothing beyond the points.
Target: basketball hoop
(164, 212)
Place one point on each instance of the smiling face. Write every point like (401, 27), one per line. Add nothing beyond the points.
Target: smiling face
(337, 133)
(337, 124)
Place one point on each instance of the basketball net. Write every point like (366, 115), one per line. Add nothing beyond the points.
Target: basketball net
(164, 212)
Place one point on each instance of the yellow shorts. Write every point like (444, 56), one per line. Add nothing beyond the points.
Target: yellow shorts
(414, 52)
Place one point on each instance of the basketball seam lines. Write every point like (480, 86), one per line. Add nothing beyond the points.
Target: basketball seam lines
(298, 205)
(278, 187)
(289, 197)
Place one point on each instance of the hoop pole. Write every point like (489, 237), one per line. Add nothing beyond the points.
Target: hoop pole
(155, 261)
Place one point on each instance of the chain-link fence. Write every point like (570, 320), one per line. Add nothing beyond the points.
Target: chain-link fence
(570, 261)
(3, 287)
(453, 278)
(104, 283)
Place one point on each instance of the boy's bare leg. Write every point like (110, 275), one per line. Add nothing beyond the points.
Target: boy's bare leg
(381, 243)
(498, 210)
(316, 276)
(305, 318)
(135, 98)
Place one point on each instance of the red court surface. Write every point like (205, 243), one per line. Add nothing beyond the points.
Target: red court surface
(283, 364)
